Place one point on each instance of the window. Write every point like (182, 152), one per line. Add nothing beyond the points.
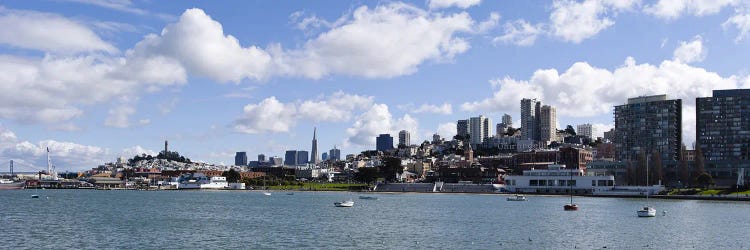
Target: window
(593, 183)
(533, 183)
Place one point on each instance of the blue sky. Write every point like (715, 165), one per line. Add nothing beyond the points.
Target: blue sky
(98, 79)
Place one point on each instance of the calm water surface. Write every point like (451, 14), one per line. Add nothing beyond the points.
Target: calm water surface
(90, 219)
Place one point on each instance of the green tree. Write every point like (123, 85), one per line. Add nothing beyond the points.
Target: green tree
(704, 179)
(366, 175)
(391, 166)
(570, 130)
(232, 175)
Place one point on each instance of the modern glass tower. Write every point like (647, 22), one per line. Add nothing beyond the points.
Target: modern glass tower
(647, 124)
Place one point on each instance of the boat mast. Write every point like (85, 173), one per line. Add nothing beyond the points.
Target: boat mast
(49, 164)
(648, 189)
(570, 184)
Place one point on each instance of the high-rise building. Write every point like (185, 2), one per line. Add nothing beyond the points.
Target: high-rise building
(275, 161)
(334, 154)
(314, 156)
(587, 130)
(302, 157)
(502, 128)
(324, 157)
(435, 138)
(487, 128)
(290, 158)
(462, 128)
(548, 124)
(479, 129)
(530, 109)
(404, 139)
(240, 159)
(647, 124)
(261, 158)
(609, 135)
(507, 120)
(384, 142)
(723, 127)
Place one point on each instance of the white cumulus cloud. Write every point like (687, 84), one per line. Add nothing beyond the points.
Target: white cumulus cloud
(689, 52)
(378, 120)
(740, 21)
(575, 21)
(65, 155)
(444, 109)
(463, 4)
(385, 41)
(48, 32)
(447, 130)
(519, 32)
(673, 9)
(271, 115)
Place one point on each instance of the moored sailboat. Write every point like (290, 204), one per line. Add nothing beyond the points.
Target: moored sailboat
(570, 206)
(647, 211)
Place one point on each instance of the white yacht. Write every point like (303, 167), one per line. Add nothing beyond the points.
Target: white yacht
(6, 184)
(517, 197)
(647, 211)
(348, 203)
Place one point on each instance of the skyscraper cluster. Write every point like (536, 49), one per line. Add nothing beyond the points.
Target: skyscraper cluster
(538, 122)
(477, 129)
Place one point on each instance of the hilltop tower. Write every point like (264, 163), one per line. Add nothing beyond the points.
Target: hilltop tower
(314, 151)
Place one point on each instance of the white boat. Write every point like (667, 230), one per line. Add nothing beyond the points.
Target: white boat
(7, 184)
(517, 197)
(647, 211)
(266, 193)
(35, 196)
(348, 203)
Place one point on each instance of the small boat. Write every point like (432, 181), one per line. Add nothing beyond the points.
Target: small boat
(570, 207)
(348, 203)
(647, 211)
(517, 197)
(35, 196)
(368, 197)
(266, 193)
(290, 193)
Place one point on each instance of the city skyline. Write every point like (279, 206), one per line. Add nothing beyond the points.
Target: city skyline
(97, 80)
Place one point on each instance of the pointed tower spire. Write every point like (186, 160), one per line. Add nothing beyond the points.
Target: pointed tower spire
(314, 158)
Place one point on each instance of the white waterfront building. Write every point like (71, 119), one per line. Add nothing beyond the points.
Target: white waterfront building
(556, 179)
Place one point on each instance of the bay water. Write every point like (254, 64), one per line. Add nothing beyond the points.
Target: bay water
(94, 219)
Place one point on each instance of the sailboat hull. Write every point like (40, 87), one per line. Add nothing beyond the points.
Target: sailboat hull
(647, 212)
(570, 207)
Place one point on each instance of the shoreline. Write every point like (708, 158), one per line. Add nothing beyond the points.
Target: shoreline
(745, 198)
